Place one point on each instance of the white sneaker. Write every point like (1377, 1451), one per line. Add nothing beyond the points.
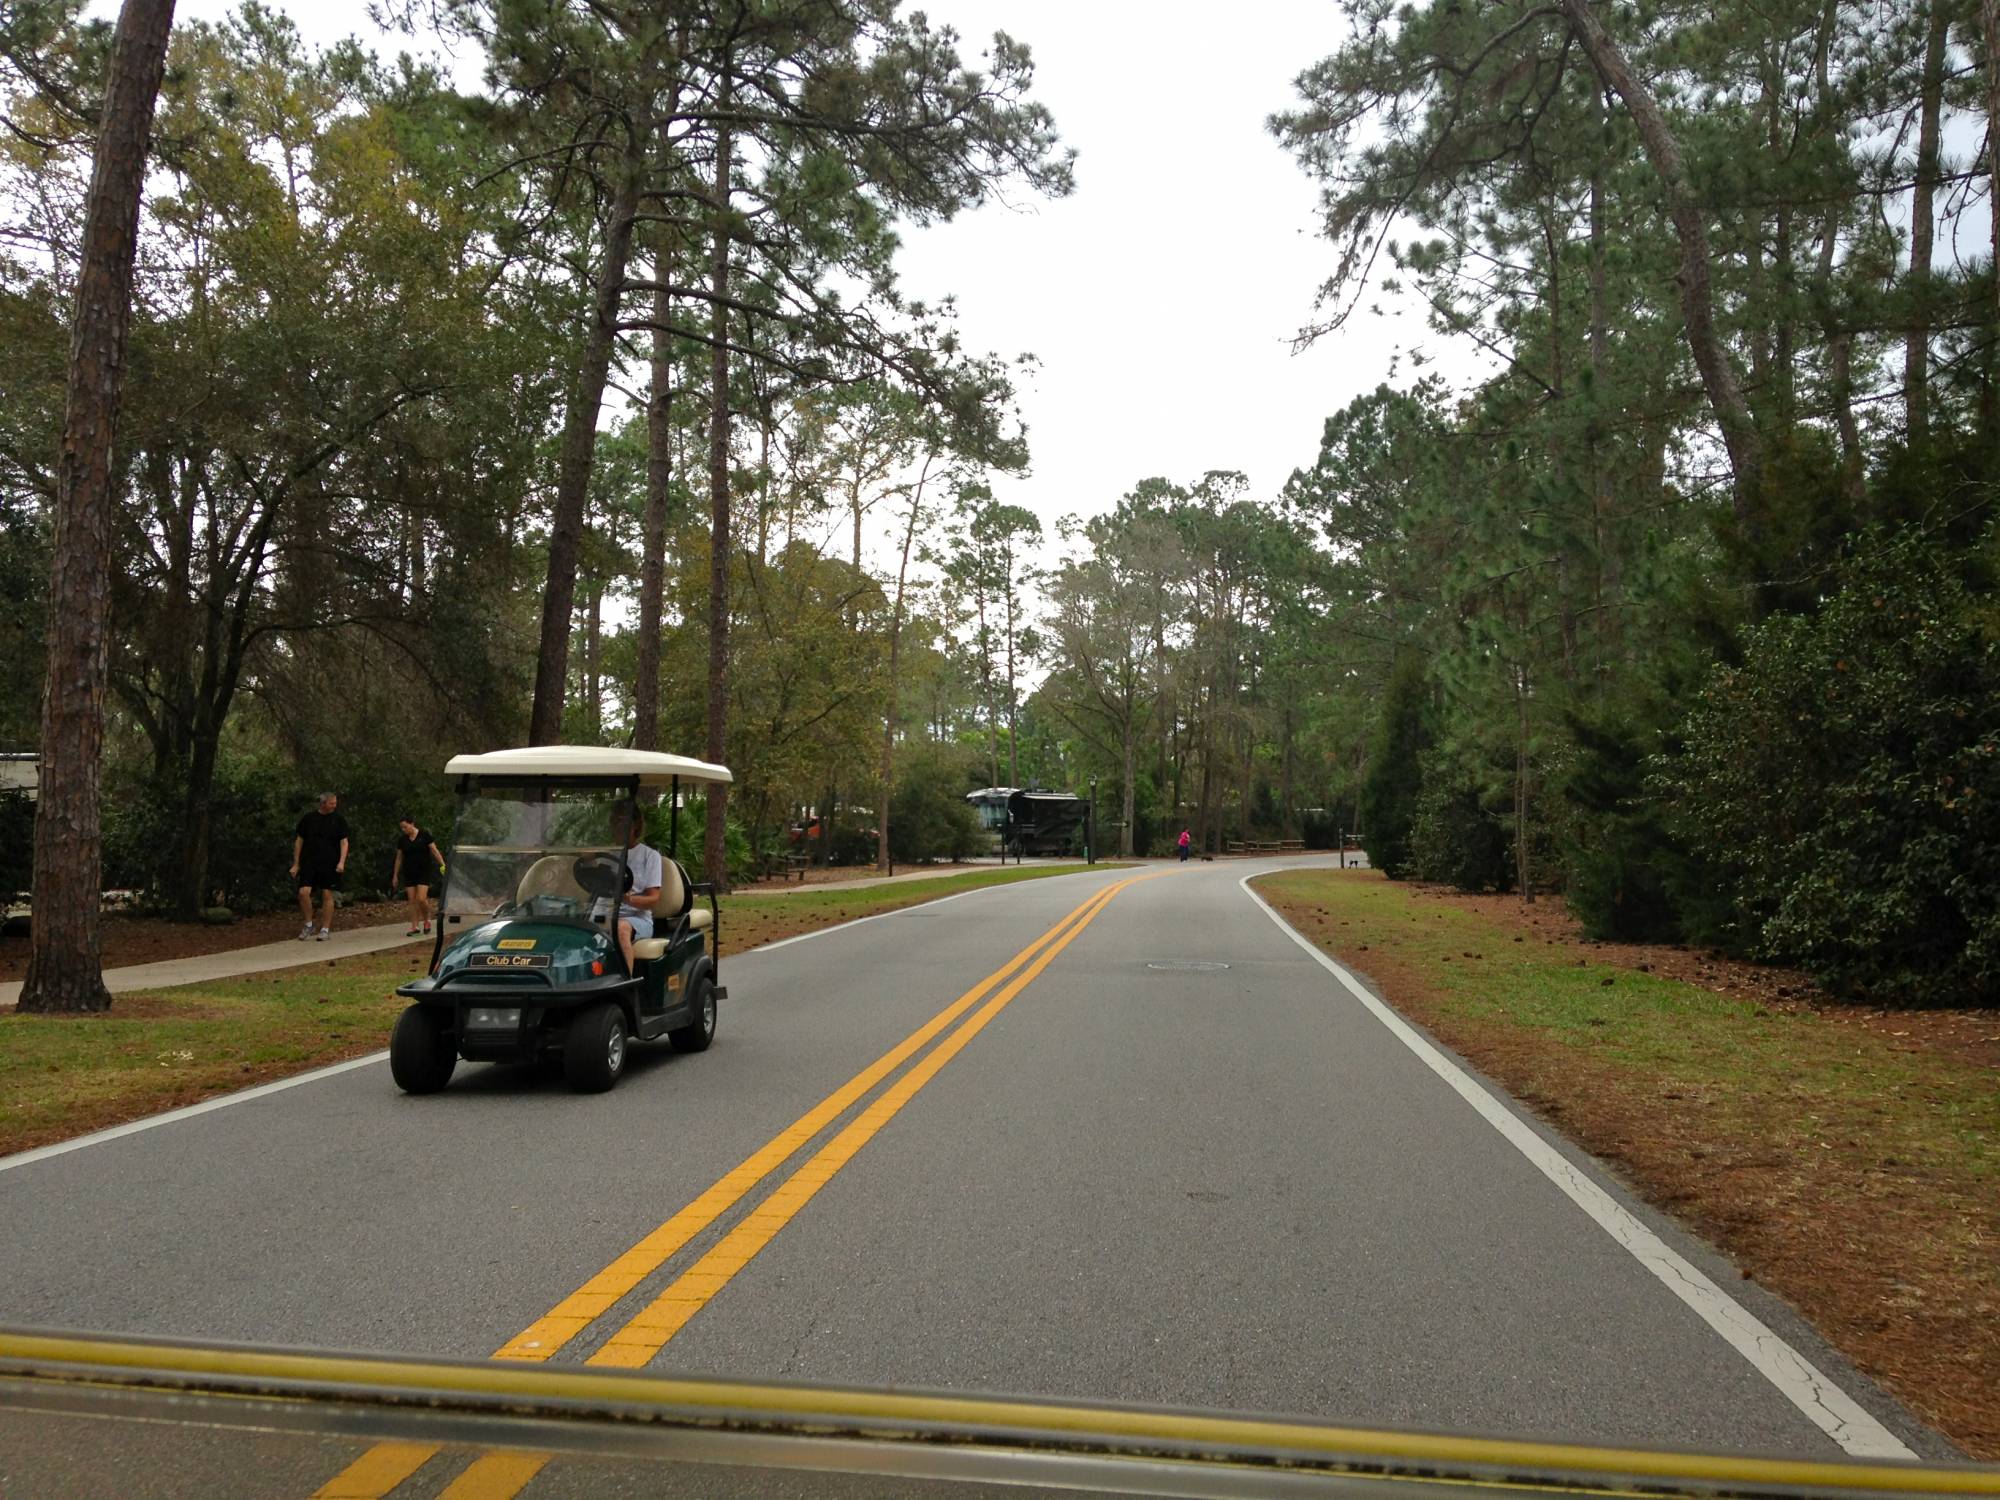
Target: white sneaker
(322, 933)
(305, 933)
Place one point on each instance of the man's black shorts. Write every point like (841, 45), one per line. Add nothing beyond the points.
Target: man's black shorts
(320, 877)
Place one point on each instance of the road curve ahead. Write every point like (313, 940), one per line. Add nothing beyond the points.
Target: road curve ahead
(1108, 1137)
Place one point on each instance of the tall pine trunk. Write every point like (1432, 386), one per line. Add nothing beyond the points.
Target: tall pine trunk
(1604, 541)
(1523, 874)
(659, 464)
(986, 687)
(190, 889)
(653, 525)
(579, 450)
(1207, 746)
(715, 843)
(1128, 802)
(1718, 377)
(593, 656)
(1923, 231)
(1013, 721)
(1989, 32)
(1839, 338)
(65, 963)
(895, 649)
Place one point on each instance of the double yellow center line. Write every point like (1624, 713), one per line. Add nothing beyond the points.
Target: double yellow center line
(648, 1331)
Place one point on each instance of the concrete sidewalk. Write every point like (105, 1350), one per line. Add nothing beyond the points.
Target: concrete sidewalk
(264, 957)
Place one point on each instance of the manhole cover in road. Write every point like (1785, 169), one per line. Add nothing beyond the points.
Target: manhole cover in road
(1187, 965)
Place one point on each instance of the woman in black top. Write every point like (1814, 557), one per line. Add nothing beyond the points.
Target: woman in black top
(416, 866)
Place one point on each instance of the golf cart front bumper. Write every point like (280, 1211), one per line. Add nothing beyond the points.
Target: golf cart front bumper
(502, 1020)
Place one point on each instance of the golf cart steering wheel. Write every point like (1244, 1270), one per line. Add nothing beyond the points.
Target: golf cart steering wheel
(599, 874)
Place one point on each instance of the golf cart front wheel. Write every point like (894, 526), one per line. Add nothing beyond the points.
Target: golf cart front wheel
(421, 1054)
(594, 1049)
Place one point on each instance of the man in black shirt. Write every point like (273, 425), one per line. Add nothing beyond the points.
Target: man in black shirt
(319, 858)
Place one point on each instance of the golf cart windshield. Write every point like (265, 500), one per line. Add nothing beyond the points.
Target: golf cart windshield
(545, 850)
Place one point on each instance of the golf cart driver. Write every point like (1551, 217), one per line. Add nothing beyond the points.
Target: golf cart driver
(643, 872)
(562, 933)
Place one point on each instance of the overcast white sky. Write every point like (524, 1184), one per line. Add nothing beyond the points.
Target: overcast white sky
(1160, 297)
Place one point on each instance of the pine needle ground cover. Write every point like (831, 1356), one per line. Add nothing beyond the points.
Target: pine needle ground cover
(62, 1076)
(1854, 1169)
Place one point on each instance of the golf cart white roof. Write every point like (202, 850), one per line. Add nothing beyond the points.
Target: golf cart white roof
(651, 767)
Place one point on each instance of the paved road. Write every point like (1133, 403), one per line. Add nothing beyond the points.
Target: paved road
(1143, 1177)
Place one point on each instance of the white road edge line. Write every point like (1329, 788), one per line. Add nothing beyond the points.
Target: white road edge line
(244, 1096)
(1829, 1407)
(187, 1112)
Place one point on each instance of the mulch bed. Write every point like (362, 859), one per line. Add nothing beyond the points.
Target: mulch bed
(144, 940)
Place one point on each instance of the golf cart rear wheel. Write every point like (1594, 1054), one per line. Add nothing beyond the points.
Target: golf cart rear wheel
(421, 1054)
(594, 1049)
(698, 1033)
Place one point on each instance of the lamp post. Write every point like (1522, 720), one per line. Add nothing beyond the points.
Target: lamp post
(1090, 826)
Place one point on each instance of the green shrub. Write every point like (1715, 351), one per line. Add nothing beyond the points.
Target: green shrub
(1454, 837)
(1389, 793)
(854, 838)
(929, 818)
(1320, 829)
(1629, 879)
(1846, 780)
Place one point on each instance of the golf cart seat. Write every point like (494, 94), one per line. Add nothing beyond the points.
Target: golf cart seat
(676, 902)
(699, 918)
(645, 949)
(551, 875)
(674, 897)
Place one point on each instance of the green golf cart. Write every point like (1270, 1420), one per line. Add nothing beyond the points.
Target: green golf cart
(527, 962)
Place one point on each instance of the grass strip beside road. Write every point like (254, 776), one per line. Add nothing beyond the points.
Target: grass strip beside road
(1857, 1177)
(64, 1076)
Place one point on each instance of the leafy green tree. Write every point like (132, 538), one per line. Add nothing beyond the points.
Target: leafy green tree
(1100, 634)
(932, 820)
(987, 543)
